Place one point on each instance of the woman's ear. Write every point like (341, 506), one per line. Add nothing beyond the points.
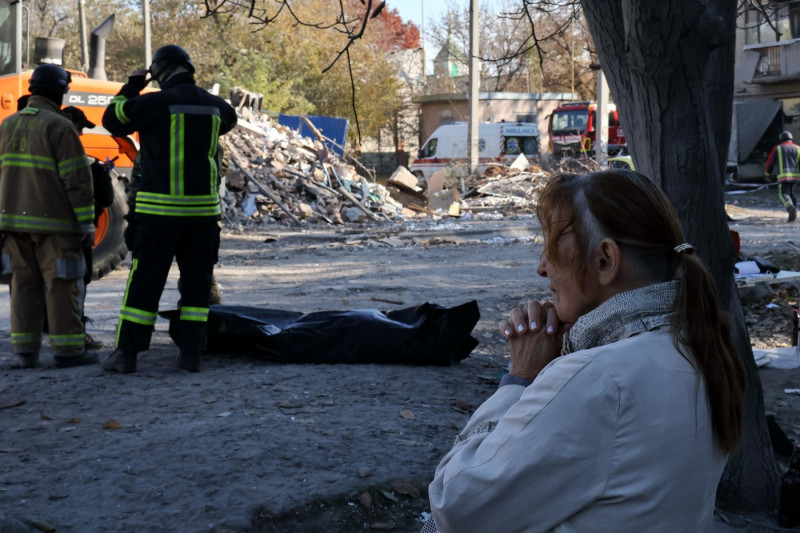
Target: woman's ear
(607, 261)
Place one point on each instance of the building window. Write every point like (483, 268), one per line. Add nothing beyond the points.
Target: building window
(530, 117)
(453, 70)
(772, 24)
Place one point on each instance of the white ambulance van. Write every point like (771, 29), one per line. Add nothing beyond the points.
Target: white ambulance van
(498, 142)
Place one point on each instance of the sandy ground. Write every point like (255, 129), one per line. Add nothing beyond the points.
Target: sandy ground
(251, 445)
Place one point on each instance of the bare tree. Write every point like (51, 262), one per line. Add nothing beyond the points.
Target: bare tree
(264, 13)
(559, 49)
(672, 65)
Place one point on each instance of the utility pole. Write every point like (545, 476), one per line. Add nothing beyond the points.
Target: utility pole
(424, 75)
(147, 45)
(474, 88)
(82, 29)
(601, 128)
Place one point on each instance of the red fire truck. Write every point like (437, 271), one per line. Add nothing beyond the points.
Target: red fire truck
(571, 130)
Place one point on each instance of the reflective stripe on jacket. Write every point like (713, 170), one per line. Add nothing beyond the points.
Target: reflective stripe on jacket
(45, 180)
(783, 162)
(179, 128)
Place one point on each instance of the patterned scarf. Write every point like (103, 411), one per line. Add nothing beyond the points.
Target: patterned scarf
(623, 316)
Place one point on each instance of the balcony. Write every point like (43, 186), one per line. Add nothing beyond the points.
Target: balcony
(770, 62)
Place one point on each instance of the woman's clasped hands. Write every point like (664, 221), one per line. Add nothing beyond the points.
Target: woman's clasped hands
(534, 333)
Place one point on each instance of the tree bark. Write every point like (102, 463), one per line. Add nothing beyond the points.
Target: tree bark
(670, 69)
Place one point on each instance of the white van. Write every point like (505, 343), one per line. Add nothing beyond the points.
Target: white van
(498, 142)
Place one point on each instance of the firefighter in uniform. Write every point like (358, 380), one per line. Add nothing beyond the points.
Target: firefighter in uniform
(177, 202)
(46, 213)
(783, 164)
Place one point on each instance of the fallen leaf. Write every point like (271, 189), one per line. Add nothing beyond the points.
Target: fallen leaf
(404, 487)
(382, 526)
(112, 424)
(74, 420)
(461, 404)
(44, 416)
(389, 496)
(364, 472)
(41, 526)
(210, 399)
(407, 414)
(365, 499)
(9, 406)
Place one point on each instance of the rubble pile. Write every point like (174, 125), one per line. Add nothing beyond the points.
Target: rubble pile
(276, 175)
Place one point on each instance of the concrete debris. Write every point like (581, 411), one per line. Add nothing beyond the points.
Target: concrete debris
(277, 176)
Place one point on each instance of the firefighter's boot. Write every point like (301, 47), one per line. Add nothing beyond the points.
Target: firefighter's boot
(188, 360)
(121, 361)
(88, 357)
(792, 213)
(28, 359)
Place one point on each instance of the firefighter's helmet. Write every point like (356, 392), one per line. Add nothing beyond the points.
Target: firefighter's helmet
(785, 136)
(50, 78)
(168, 56)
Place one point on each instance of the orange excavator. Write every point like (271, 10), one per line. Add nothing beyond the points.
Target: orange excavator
(89, 92)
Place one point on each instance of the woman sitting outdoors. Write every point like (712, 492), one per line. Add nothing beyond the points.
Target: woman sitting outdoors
(624, 396)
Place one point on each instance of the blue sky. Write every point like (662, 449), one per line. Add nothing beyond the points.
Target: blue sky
(412, 10)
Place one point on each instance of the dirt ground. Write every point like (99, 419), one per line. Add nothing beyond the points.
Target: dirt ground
(249, 445)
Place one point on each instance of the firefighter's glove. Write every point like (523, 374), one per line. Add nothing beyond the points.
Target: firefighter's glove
(136, 82)
(87, 239)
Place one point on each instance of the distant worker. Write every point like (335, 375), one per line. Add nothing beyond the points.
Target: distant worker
(783, 164)
(177, 203)
(103, 198)
(46, 213)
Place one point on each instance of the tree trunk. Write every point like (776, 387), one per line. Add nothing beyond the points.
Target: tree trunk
(670, 69)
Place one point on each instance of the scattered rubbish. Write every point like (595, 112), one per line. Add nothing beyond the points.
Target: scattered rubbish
(408, 414)
(784, 358)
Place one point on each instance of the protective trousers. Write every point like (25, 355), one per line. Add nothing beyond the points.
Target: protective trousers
(195, 246)
(786, 193)
(47, 272)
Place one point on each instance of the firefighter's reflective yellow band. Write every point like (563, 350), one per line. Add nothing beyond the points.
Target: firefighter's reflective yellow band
(212, 151)
(63, 341)
(119, 102)
(73, 164)
(176, 211)
(139, 316)
(196, 314)
(176, 154)
(134, 266)
(169, 199)
(28, 161)
(37, 224)
(84, 214)
(26, 337)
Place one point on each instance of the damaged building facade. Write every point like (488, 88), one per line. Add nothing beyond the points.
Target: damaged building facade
(766, 85)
